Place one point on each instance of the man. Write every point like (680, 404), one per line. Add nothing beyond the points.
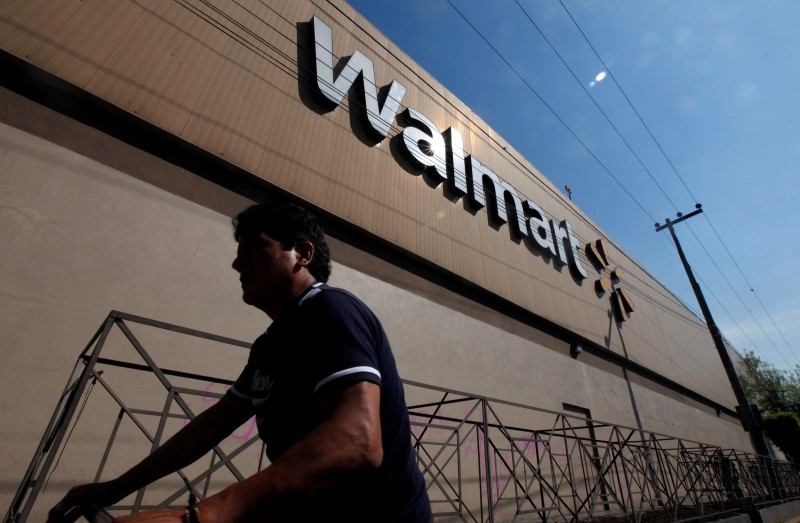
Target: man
(323, 386)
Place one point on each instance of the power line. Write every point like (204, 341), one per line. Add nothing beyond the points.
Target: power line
(455, 111)
(677, 173)
(533, 90)
(289, 71)
(702, 245)
(549, 108)
(750, 286)
(625, 95)
(720, 302)
(238, 38)
(616, 130)
(722, 306)
(494, 143)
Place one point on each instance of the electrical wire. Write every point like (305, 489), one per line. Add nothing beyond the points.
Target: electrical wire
(288, 70)
(527, 84)
(583, 87)
(560, 119)
(738, 296)
(575, 77)
(552, 111)
(625, 95)
(253, 34)
(750, 286)
(677, 173)
(460, 115)
(722, 306)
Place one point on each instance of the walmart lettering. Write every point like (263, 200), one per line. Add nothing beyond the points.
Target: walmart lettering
(442, 153)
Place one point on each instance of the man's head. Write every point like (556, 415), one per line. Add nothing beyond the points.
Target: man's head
(281, 253)
(290, 225)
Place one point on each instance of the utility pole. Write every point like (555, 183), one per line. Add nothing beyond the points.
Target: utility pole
(746, 414)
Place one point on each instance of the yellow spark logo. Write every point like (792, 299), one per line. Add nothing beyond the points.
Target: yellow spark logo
(621, 301)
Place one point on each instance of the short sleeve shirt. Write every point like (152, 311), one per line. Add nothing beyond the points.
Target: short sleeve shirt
(330, 340)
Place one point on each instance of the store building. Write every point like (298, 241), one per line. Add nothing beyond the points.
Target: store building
(132, 131)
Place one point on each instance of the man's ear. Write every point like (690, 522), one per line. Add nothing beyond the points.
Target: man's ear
(305, 253)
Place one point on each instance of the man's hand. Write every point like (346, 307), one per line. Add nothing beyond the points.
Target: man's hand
(189, 444)
(103, 495)
(69, 509)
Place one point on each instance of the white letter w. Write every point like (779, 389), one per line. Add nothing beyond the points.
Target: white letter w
(380, 119)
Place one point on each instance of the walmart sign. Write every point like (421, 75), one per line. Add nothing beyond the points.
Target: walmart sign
(442, 153)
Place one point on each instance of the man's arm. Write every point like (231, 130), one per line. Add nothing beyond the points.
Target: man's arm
(347, 440)
(189, 444)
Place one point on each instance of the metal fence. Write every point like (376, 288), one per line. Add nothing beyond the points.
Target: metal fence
(481, 468)
(482, 458)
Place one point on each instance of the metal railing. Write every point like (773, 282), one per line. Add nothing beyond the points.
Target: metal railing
(577, 469)
(481, 458)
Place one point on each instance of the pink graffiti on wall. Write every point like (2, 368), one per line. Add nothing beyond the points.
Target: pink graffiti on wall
(531, 448)
(472, 443)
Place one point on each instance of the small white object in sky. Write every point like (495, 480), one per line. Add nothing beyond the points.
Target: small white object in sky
(597, 79)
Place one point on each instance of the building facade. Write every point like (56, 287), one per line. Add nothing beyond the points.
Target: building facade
(132, 131)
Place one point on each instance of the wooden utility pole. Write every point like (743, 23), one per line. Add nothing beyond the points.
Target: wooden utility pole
(747, 417)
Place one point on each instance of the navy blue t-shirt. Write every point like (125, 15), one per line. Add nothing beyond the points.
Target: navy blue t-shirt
(329, 340)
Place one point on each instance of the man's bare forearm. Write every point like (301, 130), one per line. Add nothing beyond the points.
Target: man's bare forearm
(189, 444)
(347, 443)
(186, 446)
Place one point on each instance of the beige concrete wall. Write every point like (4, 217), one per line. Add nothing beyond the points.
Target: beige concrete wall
(237, 86)
(82, 239)
(438, 345)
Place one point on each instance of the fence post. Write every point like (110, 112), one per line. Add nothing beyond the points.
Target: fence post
(487, 460)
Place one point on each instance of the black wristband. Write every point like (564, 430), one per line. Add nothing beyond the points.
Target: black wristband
(192, 515)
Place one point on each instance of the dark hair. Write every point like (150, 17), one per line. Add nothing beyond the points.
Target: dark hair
(288, 224)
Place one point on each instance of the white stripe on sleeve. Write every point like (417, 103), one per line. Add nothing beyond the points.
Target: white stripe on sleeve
(345, 372)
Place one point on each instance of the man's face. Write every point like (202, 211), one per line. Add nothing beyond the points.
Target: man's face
(265, 270)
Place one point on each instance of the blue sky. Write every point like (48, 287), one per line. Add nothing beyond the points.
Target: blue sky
(715, 82)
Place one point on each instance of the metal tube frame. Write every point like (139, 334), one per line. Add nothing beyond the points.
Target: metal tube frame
(561, 469)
